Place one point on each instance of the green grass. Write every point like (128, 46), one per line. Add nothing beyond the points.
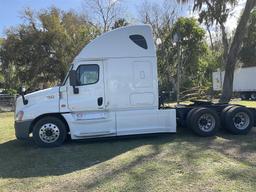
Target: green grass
(245, 103)
(172, 162)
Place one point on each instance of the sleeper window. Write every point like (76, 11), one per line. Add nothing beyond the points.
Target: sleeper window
(88, 74)
(139, 40)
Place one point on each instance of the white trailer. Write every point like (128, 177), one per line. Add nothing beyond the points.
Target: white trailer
(243, 83)
(111, 90)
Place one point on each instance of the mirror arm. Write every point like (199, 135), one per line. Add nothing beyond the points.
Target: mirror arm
(25, 101)
(21, 92)
(75, 89)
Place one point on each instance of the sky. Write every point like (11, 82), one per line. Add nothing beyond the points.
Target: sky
(11, 10)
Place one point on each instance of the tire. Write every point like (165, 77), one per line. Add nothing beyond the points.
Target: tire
(49, 132)
(239, 120)
(188, 118)
(205, 122)
(223, 114)
(244, 96)
(253, 96)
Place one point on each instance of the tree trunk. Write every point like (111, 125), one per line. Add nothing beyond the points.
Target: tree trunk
(210, 34)
(233, 52)
(225, 43)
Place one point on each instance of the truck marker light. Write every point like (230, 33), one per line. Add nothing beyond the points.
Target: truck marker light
(19, 115)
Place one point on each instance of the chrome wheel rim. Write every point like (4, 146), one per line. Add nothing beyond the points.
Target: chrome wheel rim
(49, 133)
(206, 122)
(241, 120)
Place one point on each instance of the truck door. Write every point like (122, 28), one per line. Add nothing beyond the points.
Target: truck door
(90, 96)
(89, 116)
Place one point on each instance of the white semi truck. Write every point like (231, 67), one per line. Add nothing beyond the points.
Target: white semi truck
(111, 90)
(243, 84)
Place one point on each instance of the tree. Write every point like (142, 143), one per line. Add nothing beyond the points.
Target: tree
(207, 24)
(217, 11)
(193, 47)
(1, 73)
(234, 51)
(40, 51)
(161, 18)
(196, 55)
(104, 12)
(8, 69)
(120, 23)
(248, 51)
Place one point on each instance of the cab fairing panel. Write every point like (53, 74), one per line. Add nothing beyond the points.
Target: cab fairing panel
(108, 124)
(145, 121)
(117, 44)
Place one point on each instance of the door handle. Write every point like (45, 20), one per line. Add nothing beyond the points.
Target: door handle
(100, 101)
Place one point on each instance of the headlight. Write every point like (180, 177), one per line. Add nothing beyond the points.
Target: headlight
(19, 116)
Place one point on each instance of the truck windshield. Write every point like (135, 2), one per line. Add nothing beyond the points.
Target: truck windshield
(65, 79)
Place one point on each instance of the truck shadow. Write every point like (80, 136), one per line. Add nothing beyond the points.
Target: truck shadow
(22, 159)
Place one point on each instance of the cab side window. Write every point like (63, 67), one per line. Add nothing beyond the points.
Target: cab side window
(88, 74)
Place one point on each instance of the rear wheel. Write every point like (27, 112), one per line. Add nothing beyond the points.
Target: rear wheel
(244, 96)
(204, 122)
(223, 114)
(253, 96)
(239, 120)
(188, 118)
(49, 132)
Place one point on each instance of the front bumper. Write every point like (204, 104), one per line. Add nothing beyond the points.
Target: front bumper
(22, 129)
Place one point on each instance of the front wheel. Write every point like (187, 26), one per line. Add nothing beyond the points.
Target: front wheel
(49, 132)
